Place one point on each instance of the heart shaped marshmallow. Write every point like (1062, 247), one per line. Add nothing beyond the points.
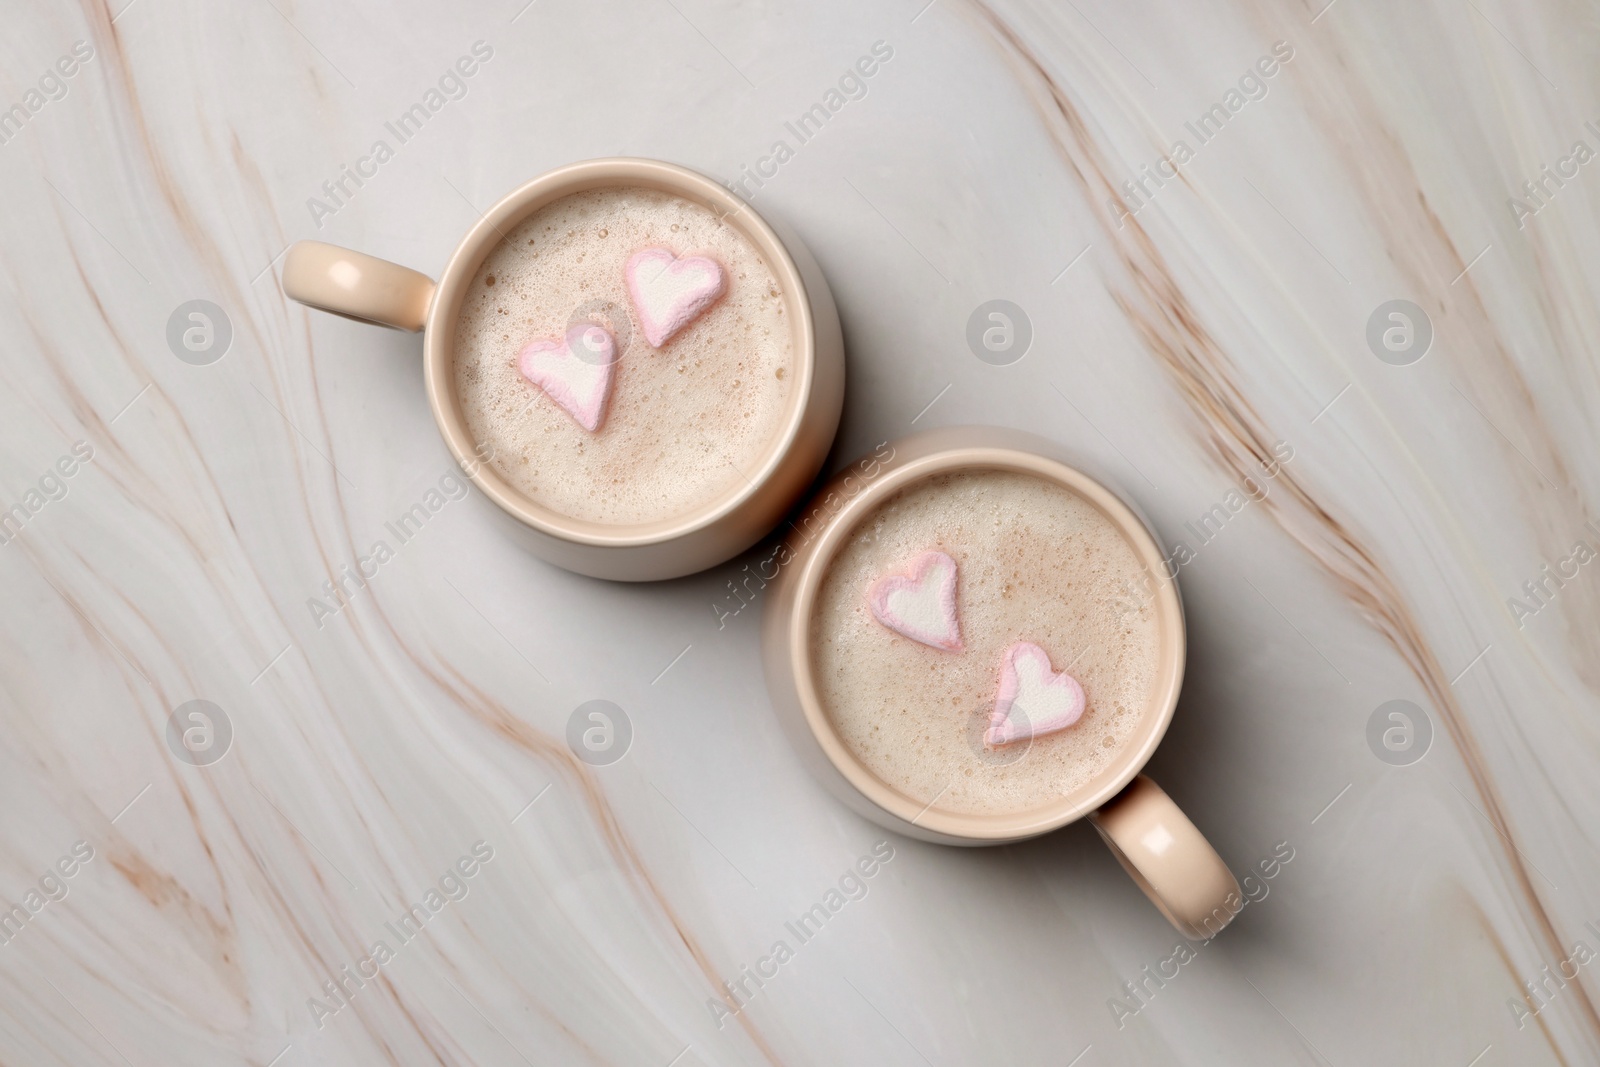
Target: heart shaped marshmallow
(1033, 699)
(923, 605)
(668, 292)
(575, 372)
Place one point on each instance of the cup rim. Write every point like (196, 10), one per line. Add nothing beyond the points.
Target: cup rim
(510, 210)
(1007, 826)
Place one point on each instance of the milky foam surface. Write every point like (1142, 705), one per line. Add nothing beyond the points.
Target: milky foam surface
(1036, 563)
(686, 422)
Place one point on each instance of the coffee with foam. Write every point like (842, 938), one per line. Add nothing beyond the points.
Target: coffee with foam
(1036, 563)
(686, 423)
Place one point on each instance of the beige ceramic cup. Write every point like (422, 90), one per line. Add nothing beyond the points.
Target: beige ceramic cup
(373, 290)
(1154, 841)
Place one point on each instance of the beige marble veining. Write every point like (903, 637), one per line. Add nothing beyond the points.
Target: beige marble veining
(375, 747)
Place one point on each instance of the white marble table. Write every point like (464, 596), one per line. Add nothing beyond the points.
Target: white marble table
(1171, 345)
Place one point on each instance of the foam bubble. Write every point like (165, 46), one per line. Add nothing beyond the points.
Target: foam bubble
(1037, 563)
(686, 422)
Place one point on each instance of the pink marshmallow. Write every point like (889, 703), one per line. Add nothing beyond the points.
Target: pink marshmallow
(669, 293)
(575, 372)
(923, 605)
(1033, 699)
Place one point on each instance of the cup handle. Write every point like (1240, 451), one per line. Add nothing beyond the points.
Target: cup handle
(356, 285)
(1170, 860)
